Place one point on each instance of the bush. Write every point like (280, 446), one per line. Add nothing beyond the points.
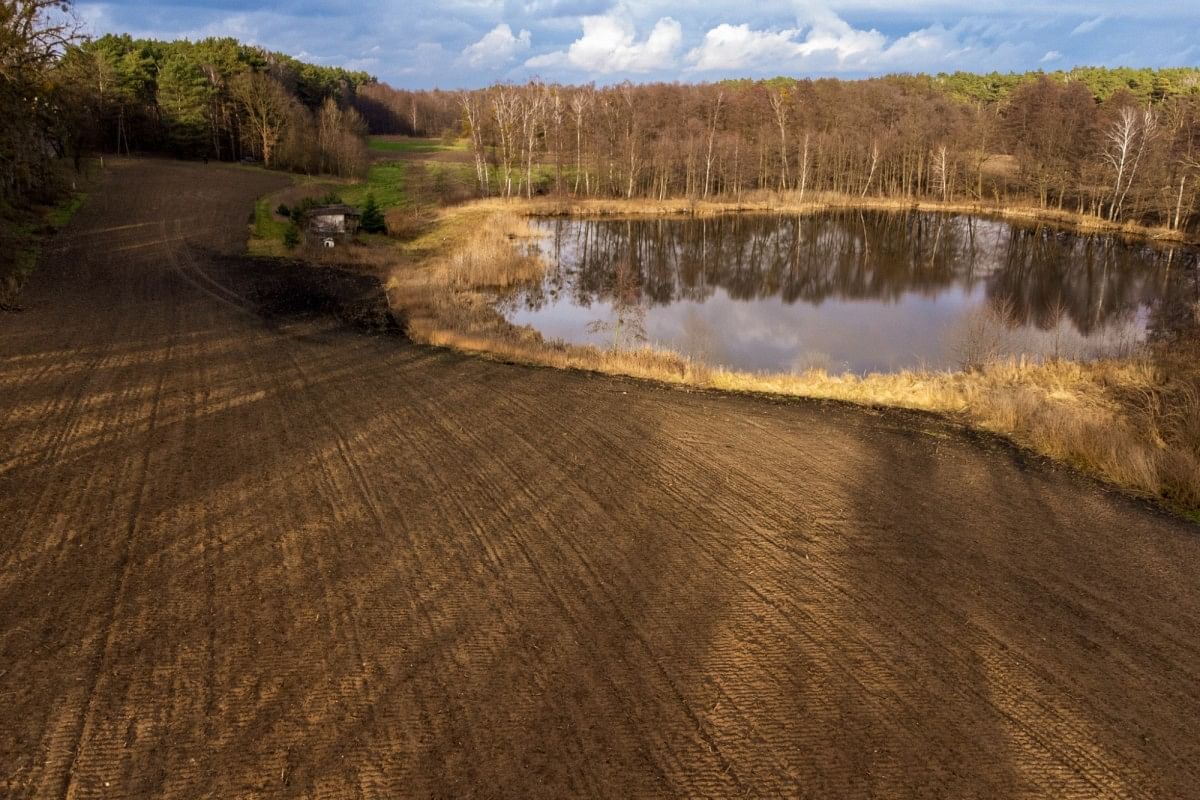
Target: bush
(372, 217)
(291, 237)
(283, 210)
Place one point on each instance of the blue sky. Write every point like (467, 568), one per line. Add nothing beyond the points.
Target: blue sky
(468, 43)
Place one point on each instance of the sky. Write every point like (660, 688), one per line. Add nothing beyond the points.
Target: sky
(450, 44)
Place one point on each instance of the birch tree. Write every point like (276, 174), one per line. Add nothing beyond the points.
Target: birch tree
(472, 117)
(505, 109)
(712, 135)
(581, 101)
(779, 103)
(1127, 139)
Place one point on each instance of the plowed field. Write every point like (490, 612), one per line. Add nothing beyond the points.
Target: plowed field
(246, 553)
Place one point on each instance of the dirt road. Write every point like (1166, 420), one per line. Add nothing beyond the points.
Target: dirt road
(247, 555)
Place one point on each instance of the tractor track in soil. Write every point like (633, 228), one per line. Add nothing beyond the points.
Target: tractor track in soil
(250, 551)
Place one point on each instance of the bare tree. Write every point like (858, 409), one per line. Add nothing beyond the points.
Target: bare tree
(631, 136)
(779, 99)
(472, 115)
(874, 164)
(1126, 141)
(267, 106)
(531, 109)
(329, 130)
(505, 108)
(556, 110)
(581, 101)
(803, 182)
(712, 134)
(940, 172)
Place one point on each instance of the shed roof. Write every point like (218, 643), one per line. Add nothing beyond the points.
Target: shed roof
(333, 211)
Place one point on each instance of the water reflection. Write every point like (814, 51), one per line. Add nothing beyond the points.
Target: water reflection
(853, 291)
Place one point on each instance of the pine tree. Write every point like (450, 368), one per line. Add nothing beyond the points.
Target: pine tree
(372, 217)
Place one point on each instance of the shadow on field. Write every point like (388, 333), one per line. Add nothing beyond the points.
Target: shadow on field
(292, 288)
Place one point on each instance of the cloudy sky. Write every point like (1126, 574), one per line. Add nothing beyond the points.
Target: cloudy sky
(468, 43)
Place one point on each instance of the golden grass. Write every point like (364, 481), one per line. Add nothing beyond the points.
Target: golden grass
(814, 203)
(1133, 422)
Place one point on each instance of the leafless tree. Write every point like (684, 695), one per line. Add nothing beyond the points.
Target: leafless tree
(712, 135)
(506, 104)
(940, 171)
(531, 108)
(779, 104)
(1127, 138)
(267, 106)
(874, 164)
(581, 102)
(472, 117)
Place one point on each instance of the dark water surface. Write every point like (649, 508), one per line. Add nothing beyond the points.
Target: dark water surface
(859, 292)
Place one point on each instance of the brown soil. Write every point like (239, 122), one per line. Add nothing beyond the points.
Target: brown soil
(249, 551)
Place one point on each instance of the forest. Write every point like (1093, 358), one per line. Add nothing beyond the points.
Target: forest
(1122, 144)
(64, 96)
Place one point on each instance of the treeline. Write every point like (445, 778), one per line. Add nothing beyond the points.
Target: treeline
(1059, 141)
(216, 98)
(1102, 83)
(64, 96)
(35, 108)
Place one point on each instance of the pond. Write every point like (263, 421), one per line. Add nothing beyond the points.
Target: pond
(852, 292)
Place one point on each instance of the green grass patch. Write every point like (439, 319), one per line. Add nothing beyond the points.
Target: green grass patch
(23, 233)
(62, 212)
(266, 224)
(267, 232)
(386, 181)
(386, 145)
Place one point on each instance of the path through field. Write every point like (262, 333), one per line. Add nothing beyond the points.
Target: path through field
(258, 556)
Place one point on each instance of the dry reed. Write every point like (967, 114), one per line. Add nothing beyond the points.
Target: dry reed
(776, 202)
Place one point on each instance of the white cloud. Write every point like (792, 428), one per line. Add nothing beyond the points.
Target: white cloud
(1051, 55)
(1090, 24)
(832, 40)
(426, 43)
(609, 44)
(497, 47)
(424, 59)
(738, 47)
(930, 46)
(828, 43)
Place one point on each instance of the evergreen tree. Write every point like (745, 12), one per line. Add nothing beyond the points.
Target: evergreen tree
(372, 217)
(184, 95)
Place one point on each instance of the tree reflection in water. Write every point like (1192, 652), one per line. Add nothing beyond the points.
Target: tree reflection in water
(861, 291)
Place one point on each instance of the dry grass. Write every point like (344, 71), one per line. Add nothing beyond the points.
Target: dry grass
(496, 255)
(813, 203)
(1132, 422)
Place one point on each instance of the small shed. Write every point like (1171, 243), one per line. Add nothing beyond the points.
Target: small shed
(327, 222)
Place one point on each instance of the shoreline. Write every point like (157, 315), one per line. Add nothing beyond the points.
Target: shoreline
(1102, 417)
(773, 203)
